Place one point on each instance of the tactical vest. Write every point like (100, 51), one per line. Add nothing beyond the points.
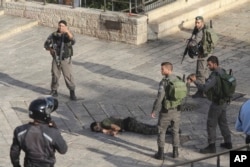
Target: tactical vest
(57, 42)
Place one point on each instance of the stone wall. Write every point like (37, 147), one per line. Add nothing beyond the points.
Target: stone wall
(108, 25)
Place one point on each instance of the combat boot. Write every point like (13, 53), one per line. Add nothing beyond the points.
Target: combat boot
(226, 145)
(160, 154)
(53, 93)
(72, 95)
(209, 149)
(175, 152)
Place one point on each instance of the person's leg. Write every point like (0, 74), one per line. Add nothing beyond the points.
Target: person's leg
(212, 121)
(248, 142)
(223, 125)
(176, 137)
(68, 77)
(55, 76)
(139, 127)
(201, 75)
(163, 121)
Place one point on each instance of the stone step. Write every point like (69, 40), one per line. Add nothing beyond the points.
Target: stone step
(176, 20)
(11, 25)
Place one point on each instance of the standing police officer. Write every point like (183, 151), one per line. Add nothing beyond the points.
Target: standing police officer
(59, 44)
(205, 39)
(38, 139)
(217, 110)
(167, 114)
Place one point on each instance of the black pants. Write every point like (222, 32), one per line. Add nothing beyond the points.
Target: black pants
(248, 141)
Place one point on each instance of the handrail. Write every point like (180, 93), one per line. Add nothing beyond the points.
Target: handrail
(210, 156)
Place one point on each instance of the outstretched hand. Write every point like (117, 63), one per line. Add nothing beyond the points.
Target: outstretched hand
(153, 115)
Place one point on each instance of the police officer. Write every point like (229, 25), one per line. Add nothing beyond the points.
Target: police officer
(243, 121)
(167, 114)
(38, 139)
(217, 109)
(59, 44)
(200, 36)
(112, 126)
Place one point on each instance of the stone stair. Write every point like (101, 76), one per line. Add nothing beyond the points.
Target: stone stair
(173, 17)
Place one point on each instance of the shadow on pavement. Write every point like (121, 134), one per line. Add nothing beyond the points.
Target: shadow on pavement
(6, 79)
(114, 73)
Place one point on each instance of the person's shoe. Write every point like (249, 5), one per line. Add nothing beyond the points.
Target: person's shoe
(160, 154)
(209, 149)
(53, 93)
(226, 145)
(72, 95)
(175, 152)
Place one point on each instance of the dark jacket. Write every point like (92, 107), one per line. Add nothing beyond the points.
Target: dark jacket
(39, 142)
(212, 87)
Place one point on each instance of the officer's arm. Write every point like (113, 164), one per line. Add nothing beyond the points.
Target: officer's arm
(48, 42)
(15, 150)
(210, 82)
(60, 144)
(160, 95)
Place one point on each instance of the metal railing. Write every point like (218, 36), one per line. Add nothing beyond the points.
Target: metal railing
(191, 162)
(131, 6)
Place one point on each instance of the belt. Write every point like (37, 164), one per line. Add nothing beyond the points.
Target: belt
(163, 110)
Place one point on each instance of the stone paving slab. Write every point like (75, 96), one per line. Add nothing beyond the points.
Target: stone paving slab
(116, 79)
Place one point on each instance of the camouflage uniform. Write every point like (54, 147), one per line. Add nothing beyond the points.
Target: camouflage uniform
(201, 66)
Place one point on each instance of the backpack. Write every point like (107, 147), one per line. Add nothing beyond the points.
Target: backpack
(211, 39)
(176, 91)
(228, 85)
(224, 90)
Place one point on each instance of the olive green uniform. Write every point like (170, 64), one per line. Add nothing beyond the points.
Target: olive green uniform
(166, 116)
(201, 66)
(62, 45)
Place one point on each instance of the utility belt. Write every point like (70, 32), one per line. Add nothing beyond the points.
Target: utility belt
(164, 110)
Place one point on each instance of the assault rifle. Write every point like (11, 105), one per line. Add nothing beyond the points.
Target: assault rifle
(58, 58)
(186, 49)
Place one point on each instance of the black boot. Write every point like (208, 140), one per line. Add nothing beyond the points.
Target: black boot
(209, 149)
(226, 145)
(72, 95)
(160, 154)
(53, 93)
(175, 152)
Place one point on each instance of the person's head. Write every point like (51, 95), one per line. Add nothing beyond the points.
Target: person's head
(199, 22)
(61, 24)
(41, 108)
(212, 63)
(95, 127)
(166, 68)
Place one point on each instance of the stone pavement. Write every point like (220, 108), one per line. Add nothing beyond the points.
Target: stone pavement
(116, 79)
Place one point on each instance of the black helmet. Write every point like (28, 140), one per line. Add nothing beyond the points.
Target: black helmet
(41, 108)
(193, 48)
